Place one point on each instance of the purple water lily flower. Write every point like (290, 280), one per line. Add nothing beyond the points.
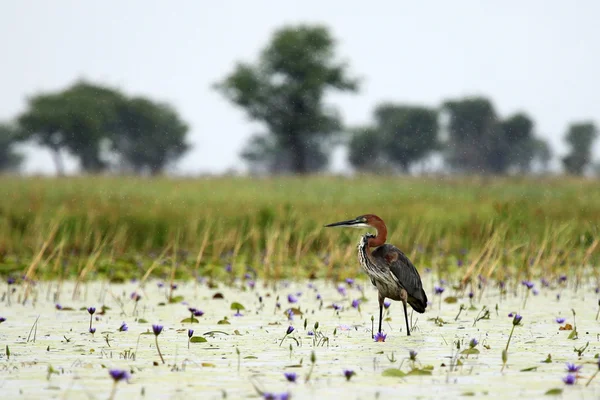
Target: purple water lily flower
(119, 374)
(573, 368)
(380, 337)
(290, 376)
(517, 319)
(528, 284)
(348, 373)
(157, 329)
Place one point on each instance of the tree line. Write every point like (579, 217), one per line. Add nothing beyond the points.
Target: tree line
(100, 126)
(285, 90)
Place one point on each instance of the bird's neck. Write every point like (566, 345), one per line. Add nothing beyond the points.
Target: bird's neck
(381, 236)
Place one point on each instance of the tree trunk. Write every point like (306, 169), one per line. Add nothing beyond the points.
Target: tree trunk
(299, 157)
(58, 161)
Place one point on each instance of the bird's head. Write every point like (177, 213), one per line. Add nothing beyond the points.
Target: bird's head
(362, 221)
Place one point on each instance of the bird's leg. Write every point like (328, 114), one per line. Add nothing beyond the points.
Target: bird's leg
(404, 297)
(381, 299)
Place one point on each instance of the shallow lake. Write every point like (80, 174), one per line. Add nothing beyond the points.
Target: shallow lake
(79, 361)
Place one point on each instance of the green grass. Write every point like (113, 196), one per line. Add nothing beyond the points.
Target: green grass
(122, 226)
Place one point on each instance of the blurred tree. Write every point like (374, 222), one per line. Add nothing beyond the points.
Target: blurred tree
(85, 118)
(409, 133)
(580, 138)
(264, 155)
(542, 153)
(9, 160)
(401, 136)
(148, 135)
(365, 149)
(476, 142)
(285, 91)
(518, 131)
(76, 119)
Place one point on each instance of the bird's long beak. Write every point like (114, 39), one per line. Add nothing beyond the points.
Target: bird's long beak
(350, 222)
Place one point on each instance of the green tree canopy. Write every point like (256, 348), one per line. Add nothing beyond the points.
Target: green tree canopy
(9, 159)
(401, 136)
(476, 141)
(580, 137)
(285, 91)
(149, 135)
(76, 120)
(365, 149)
(84, 117)
(524, 147)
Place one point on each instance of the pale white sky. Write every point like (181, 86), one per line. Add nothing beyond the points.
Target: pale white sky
(539, 56)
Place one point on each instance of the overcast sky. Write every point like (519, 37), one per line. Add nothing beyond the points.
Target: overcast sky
(542, 57)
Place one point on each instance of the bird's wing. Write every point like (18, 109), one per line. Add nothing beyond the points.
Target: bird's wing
(401, 267)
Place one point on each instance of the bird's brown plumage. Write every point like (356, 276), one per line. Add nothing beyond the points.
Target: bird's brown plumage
(405, 272)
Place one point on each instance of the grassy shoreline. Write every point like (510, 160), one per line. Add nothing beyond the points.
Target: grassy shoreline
(119, 226)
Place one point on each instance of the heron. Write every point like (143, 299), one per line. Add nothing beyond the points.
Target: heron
(389, 269)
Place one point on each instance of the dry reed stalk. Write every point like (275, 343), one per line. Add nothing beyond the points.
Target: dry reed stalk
(173, 267)
(269, 250)
(153, 266)
(91, 263)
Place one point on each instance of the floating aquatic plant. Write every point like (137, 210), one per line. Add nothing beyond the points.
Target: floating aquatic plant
(290, 376)
(190, 333)
(117, 376)
(157, 329)
(380, 337)
(91, 311)
(570, 379)
(348, 374)
(289, 330)
(516, 321)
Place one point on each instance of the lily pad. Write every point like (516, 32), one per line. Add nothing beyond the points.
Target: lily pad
(534, 368)
(394, 372)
